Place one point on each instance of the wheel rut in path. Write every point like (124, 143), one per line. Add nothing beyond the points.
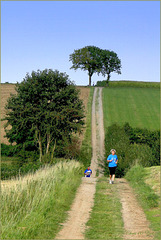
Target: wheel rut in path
(135, 223)
(74, 227)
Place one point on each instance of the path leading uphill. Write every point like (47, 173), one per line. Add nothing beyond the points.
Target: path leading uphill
(135, 223)
(74, 227)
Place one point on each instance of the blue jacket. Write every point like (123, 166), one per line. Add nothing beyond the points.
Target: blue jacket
(114, 159)
(88, 172)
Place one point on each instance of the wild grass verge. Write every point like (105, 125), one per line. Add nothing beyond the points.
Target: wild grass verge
(105, 221)
(147, 197)
(86, 148)
(34, 206)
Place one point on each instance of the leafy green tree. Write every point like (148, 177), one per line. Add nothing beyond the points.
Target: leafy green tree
(96, 60)
(87, 59)
(110, 63)
(45, 109)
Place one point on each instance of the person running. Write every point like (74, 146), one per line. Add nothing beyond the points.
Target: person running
(112, 164)
(88, 172)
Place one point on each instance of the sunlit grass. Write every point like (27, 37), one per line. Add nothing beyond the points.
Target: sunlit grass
(140, 107)
(147, 194)
(138, 84)
(106, 220)
(35, 205)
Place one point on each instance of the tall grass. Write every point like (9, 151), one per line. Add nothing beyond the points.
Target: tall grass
(34, 206)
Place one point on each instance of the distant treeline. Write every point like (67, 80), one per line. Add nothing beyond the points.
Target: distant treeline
(128, 84)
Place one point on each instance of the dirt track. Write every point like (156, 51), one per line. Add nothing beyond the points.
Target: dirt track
(79, 214)
(135, 224)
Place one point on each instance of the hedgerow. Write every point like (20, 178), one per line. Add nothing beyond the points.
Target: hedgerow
(123, 83)
(133, 145)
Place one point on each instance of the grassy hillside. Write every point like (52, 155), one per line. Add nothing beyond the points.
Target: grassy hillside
(34, 206)
(127, 83)
(134, 84)
(138, 106)
(152, 178)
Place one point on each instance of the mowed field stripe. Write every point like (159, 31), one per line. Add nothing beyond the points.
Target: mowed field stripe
(138, 106)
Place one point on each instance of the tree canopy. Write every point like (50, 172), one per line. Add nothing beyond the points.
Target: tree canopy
(45, 108)
(95, 60)
(87, 59)
(109, 63)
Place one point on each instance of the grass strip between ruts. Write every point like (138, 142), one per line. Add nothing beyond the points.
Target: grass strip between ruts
(106, 220)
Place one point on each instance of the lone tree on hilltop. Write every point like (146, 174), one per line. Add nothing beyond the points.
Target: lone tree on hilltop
(95, 60)
(45, 109)
(87, 59)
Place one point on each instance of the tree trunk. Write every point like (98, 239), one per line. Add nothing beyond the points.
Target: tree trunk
(90, 80)
(40, 145)
(108, 79)
(38, 136)
(48, 143)
(52, 154)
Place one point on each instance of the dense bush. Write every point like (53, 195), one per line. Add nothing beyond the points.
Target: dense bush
(27, 156)
(85, 155)
(67, 148)
(131, 147)
(8, 170)
(8, 150)
(144, 136)
(16, 161)
(15, 169)
(101, 83)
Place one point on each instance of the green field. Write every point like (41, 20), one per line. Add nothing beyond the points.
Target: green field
(140, 107)
(134, 84)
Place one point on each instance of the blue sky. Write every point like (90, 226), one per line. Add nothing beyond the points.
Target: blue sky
(42, 34)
